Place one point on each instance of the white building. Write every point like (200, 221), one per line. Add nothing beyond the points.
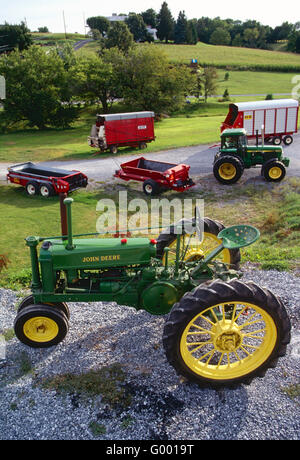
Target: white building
(116, 17)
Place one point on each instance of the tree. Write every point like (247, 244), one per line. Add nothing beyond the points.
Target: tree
(294, 42)
(119, 36)
(148, 82)
(43, 30)
(150, 17)
(220, 36)
(208, 78)
(98, 22)
(165, 26)
(180, 29)
(38, 90)
(137, 27)
(95, 81)
(15, 37)
(191, 32)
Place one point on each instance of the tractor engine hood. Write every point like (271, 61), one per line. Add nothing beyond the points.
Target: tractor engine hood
(97, 253)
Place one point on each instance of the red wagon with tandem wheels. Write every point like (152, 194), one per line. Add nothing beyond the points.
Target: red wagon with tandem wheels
(134, 129)
(278, 117)
(45, 181)
(156, 176)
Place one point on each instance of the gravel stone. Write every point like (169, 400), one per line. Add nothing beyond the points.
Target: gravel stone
(162, 406)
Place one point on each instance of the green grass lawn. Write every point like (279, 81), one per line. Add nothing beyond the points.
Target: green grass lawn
(274, 210)
(69, 144)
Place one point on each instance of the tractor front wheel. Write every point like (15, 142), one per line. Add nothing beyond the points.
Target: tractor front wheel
(228, 169)
(224, 334)
(40, 326)
(273, 171)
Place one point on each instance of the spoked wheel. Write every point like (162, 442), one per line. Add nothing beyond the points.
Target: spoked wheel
(40, 326)
(193, 249)
(226, 333)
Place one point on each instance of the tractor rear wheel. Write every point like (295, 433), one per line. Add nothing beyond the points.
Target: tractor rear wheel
(40, 326)
(228, 169)
(273, 171)
(224, 334)
(197, 249)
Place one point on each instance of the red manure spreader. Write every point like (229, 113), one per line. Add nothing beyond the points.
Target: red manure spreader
(45, 181)
(157, 176)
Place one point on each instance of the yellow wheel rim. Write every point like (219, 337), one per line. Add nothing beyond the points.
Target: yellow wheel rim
(275, 172)
(227, 171)
(228, 341)
(40, 329)
(197, 249)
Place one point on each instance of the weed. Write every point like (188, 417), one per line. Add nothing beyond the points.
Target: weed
(97, 429)
(106, 382)
(293, 390)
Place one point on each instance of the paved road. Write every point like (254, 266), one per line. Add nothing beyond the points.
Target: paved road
(199, 157)
(81, 43)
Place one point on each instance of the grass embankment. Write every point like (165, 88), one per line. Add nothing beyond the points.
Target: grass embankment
(274, 209)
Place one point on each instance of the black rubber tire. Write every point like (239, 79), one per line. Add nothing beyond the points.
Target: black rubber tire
(210, 226)
(35, 187)
(236, 162)
(46, 187)
(271, 164)
(151, 188)
(276, 140)
(40, 310)
(61, 306)
(288, 140)
(113, 149)
(203, 297)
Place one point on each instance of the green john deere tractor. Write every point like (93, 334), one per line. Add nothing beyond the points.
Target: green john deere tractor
(219, 331)
(235, 155)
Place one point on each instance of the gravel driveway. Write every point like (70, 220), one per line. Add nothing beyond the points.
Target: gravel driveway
(159, 406)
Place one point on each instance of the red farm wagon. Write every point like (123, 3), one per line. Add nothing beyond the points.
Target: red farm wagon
(278, 117)
(133, 129)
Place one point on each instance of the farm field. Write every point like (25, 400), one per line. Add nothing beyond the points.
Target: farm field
(231, 56)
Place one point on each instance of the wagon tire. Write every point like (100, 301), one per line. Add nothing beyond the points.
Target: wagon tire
(29, 300)
(40, 326)
(276, 140)
(288, 140)
(273, 171)
(113, 149)
(151, 187)
(142, 145)
(211, 229)
(46, 190)
(226, 355)
(228, 169)
(32, 188)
